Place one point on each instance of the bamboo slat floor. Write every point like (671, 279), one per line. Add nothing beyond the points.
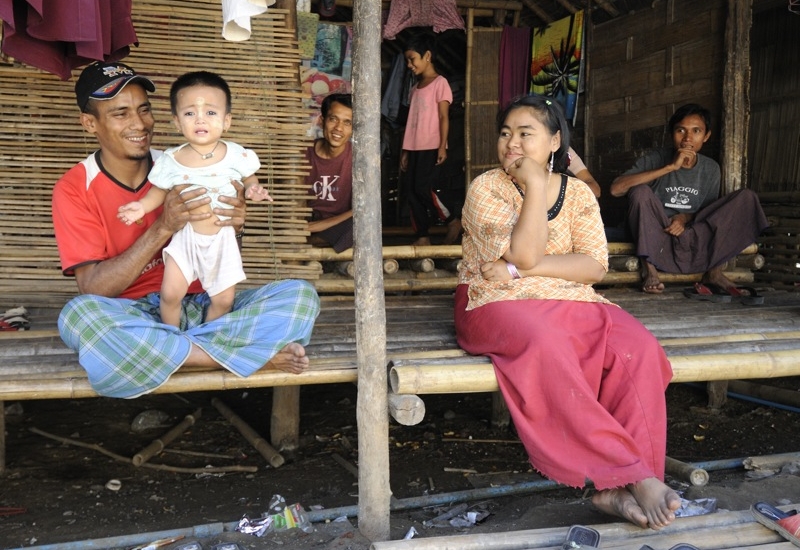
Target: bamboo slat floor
(717, 531)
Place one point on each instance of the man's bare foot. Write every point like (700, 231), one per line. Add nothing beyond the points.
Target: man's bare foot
(716, 277)
(292, 358)
(454, 229)
(422, 241)
(656, 500)
(620, 503)
(651, 284)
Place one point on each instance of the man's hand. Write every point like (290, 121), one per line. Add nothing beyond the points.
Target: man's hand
(677, 225)
(180, 208)
(685, 157)
(238, 210)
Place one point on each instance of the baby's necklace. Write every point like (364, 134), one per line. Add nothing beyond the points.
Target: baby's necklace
(205, 156)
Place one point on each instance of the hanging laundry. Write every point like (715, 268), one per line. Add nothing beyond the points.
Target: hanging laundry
(236, 16)
(515, 58)
(60, 35)
(439, 14)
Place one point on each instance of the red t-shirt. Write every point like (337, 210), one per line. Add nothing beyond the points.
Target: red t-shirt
(85, 204)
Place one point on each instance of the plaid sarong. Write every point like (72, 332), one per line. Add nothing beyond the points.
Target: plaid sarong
(127, 351)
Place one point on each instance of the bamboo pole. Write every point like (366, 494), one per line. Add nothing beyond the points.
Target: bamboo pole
(372, 410)
(476, 374)
(686, 472)
(159, 444)
(265, 449)
(721, 530)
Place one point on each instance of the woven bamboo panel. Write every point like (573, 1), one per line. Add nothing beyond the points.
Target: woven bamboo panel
(42, 138)
(780, 243)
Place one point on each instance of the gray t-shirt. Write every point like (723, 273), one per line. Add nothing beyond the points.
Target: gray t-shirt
(684, 191)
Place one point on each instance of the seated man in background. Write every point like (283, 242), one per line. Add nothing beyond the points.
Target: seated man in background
(678, 221)
(331, 179)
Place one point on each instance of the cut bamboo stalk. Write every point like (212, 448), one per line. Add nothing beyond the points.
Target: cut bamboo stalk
(623, 263)
(159, 444)
(265, 449)
(422, 265)
(408, 412)
(390, 266)
(686, 472)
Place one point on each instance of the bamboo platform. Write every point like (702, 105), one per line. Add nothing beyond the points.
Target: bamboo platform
(721, 530)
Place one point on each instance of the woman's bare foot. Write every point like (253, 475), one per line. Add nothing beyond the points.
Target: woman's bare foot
(656, 500)
(651, 284)
(292, 358)
(422, 241)
(620, 503)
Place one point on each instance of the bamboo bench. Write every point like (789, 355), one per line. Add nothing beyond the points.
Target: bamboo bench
(35, 364)
(728, 342)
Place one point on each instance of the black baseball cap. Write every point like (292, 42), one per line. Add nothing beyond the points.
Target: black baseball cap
(104, 80)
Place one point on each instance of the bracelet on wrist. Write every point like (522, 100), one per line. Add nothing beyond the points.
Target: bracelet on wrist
(240, 234)
(512, 269)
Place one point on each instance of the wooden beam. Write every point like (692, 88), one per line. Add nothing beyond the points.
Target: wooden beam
(540, 13)
(607, 7)
(568, 6)
(372, 406)
(736, 96)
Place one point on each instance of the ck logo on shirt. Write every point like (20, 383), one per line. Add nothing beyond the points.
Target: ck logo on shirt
(323, 188)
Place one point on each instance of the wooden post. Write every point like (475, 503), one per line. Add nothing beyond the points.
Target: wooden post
(372, 410)
(284, 427)
(736, 96)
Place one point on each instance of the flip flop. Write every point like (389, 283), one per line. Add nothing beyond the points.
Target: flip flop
(786, 524)
(747, 295)
(14, 312)
(705, 293)
(14, 323)
(579, 536)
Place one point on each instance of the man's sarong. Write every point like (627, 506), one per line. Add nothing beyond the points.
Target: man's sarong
(127, 351)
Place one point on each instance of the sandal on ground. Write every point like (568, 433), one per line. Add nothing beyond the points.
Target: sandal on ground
(14, 312)
(14, 323)
(786, 524)
(707, 293)
(579, 536)
(747, 295)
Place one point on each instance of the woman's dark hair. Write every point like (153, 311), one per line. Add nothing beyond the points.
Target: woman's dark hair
(550, 113)
(690, 109)
(343, 99)
(198, 78)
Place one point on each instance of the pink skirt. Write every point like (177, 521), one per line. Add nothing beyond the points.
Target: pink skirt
(584, 382)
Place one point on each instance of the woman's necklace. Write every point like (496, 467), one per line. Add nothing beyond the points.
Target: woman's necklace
(205, 156)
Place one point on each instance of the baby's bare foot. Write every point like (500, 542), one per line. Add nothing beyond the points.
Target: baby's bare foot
(292, 358)
(657, 501)
(620, 503)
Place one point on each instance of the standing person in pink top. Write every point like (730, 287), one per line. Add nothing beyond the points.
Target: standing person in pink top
(425, 146)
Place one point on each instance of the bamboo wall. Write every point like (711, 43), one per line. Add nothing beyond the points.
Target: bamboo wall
(42, 138)
(483, 51)
(642, 66)
(774, 138)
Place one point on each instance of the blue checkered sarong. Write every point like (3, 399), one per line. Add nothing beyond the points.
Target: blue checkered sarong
(127, 351)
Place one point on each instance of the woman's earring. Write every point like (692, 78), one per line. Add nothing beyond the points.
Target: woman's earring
(552, 161)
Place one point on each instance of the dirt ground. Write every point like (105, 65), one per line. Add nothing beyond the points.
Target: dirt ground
(56, 492)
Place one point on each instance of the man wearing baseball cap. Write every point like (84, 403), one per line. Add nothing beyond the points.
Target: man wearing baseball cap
(114, 323)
